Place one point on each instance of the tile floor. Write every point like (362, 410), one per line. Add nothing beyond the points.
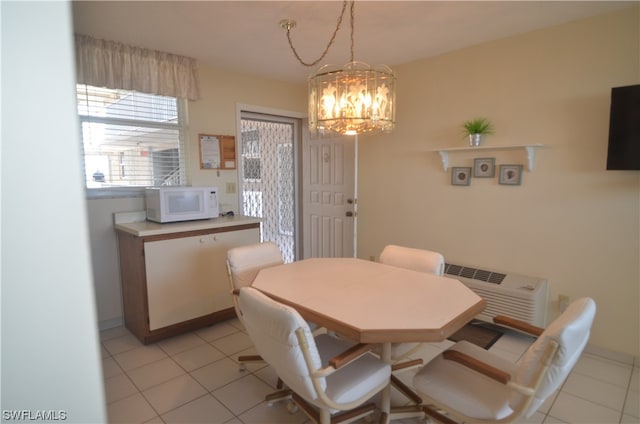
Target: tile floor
(193, 378)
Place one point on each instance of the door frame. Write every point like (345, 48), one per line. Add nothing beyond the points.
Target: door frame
(297, 149)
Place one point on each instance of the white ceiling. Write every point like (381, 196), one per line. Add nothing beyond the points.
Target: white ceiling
(245, 36)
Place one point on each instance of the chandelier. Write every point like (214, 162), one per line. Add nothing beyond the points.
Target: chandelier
(353, 99)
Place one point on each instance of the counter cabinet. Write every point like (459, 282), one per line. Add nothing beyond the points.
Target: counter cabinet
(177, 282)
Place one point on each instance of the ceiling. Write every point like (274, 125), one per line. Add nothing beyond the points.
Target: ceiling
(245, 36)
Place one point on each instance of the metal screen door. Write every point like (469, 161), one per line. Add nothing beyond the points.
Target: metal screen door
(267, 177)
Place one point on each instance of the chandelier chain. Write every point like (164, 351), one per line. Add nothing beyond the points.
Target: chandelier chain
(333, 37)
(353, 3)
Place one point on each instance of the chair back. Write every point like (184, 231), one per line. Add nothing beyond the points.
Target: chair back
(244, 262)
(272, 328)
(570, 331)
(415, 259)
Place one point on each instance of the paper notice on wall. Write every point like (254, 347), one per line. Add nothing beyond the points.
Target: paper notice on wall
(210, 152)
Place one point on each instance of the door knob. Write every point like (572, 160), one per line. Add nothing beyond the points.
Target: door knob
(349, 213)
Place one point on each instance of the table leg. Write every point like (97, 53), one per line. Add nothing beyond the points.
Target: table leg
(385, 404)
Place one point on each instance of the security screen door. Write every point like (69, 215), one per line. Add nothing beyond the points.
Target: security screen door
(269, 175)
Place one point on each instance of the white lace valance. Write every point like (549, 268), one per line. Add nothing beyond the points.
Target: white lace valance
(115, 65)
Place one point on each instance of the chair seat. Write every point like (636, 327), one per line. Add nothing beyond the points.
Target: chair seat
(464, 390)
(348, 385)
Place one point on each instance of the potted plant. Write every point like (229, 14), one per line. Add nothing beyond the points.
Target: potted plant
(476, 128)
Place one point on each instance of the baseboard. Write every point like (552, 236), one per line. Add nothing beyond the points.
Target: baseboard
(614, 356)
(110, 323)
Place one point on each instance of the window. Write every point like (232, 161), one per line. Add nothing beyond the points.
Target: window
(130, 139)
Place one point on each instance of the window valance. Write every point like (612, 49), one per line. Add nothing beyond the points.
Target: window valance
(110, 64)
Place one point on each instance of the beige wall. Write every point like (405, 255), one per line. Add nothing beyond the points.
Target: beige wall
(570, 220)
(215, 113)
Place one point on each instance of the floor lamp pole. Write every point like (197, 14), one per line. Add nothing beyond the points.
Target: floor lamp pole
(355, 198)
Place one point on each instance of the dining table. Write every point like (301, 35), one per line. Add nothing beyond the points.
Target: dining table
(371, 302)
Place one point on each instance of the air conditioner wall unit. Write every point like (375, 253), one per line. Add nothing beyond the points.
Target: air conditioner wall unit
(506, 293)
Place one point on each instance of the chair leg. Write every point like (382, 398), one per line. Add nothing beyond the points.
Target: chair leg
(248, 358)
(384, 418)
(353, 414)
(405, 390)
(432, 413)
(277, 396)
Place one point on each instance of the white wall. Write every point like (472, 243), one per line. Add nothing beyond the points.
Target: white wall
(571, 220)
(50, 351)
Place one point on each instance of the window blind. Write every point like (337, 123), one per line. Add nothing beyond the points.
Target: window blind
(130, 138)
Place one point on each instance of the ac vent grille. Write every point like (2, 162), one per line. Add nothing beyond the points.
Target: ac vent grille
(474, 273)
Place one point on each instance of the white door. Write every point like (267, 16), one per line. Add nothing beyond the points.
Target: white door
(328, 206)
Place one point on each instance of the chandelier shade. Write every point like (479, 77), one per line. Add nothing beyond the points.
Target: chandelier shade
(354, 99)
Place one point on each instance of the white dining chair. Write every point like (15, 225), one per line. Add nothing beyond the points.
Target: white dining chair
(470, 384)
(420, 260)
(325, 374)
(411, 258)
(243, 264)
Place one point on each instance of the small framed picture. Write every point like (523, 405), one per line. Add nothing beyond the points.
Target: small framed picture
(510, 174)
(461, 175)
(484, 167)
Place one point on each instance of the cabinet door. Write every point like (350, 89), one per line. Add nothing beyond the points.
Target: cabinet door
(187, 277)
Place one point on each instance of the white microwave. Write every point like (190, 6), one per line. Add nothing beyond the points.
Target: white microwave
(172, 204)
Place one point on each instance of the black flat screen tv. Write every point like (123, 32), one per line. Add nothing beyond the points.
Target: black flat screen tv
(624, 129)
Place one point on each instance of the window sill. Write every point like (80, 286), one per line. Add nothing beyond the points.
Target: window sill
(114, 192)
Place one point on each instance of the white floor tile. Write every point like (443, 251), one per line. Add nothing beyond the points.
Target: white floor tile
(113, 333)
(604, 369)
(276, 413)
(121, 344)
(110, 368)
(118, 387)
(198, 357)
(594, 390)
(575, 410)
(133, 409)
(635, 380)
(139, 356)
(173, 377)
(233, 343)
(632, 404)
(155, 373)
(173, 393)
(628, 419)
(181, 343)
(216, 331)
(243, 394)
(205, 409)
(217, 374)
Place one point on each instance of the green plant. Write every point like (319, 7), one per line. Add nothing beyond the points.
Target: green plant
(478, 126)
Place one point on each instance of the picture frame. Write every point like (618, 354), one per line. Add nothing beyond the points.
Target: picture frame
(510, 175)
(461, 175)
(484, 167)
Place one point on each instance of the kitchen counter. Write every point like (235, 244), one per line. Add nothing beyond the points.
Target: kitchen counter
(174, 275)
(148, 228)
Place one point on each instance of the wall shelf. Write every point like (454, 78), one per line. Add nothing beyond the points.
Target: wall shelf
(530, 150)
